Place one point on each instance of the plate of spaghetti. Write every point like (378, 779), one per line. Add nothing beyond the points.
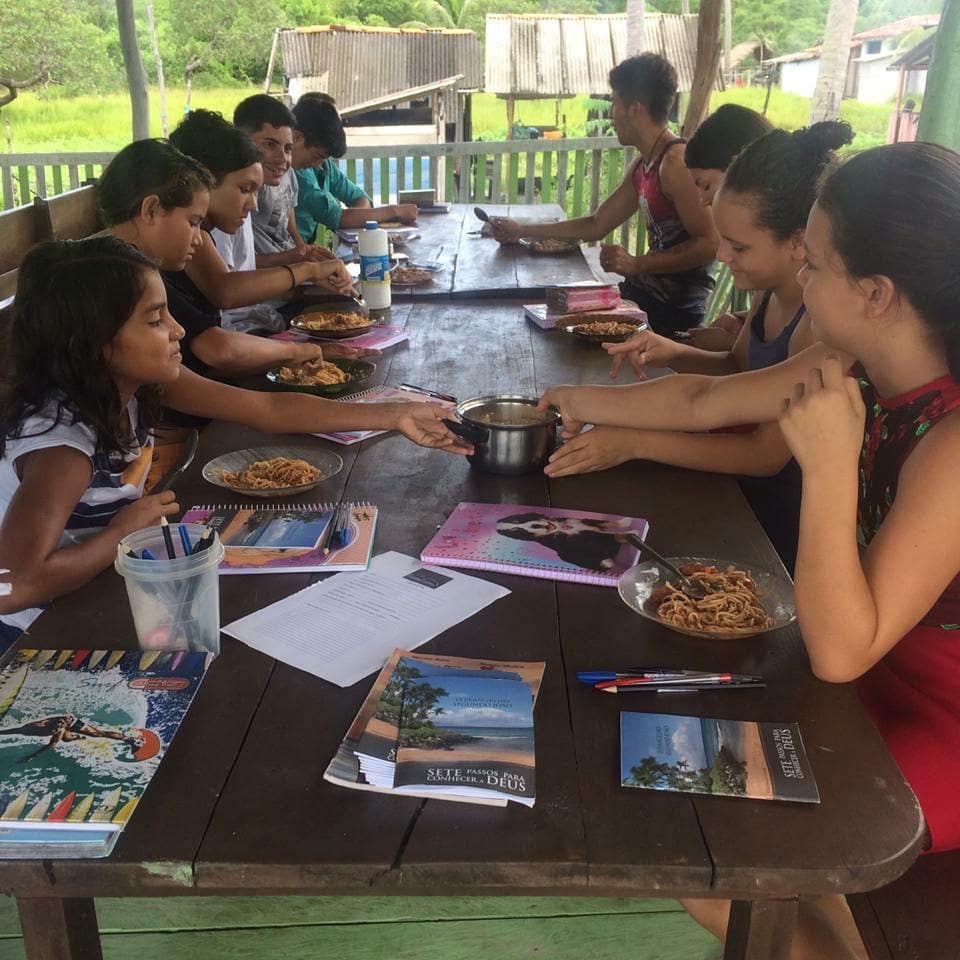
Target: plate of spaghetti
(331, 324)
(273, 471)
(743, 600)
(328, 378)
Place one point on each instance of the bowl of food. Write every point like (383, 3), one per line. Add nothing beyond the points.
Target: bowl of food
(278, 470)
(331, 324)
(599, 328)
(327, 378)
(509, 434)
(554, 246)
(411, 276)
(743, 599)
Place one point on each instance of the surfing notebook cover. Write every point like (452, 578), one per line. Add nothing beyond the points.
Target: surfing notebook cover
(82, 733)
(548, 542)
(288, 539)
(729, 758)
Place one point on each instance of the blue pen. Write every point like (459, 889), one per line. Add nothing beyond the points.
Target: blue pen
(185, 540)
(147, 555)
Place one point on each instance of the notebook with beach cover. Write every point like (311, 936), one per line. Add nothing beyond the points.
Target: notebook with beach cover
(82, 732)
(729, 758)
(450, 728)
(548, 542)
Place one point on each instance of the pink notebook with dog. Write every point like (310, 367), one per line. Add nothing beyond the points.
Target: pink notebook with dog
(548, 542)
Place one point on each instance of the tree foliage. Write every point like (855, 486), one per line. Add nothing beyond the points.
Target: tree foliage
(75, 41)
(78, 41)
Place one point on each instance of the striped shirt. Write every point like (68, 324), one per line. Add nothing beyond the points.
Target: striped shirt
(116, 480)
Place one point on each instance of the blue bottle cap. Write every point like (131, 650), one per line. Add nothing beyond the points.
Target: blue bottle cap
(371, 225)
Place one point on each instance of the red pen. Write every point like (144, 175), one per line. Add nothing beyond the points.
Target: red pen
(662, 681)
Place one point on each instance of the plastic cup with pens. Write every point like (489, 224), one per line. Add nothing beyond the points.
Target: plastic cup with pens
(175, 601)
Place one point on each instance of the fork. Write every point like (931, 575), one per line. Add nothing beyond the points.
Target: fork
(690, 587)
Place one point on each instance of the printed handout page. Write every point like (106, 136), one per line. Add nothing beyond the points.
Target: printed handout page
(344, 628)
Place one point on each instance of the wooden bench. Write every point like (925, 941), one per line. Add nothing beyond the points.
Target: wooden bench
(917, 917)
(67, 216)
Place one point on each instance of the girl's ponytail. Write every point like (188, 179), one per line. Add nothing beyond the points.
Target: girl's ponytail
(779, 174)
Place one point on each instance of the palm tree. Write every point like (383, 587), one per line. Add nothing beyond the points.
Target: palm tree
(446, 13)
(834, 57)
(636, 27)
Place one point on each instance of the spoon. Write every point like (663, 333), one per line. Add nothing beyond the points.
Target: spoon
(690, 587)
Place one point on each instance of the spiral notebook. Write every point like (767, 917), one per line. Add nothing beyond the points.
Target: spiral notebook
(290, 538)
(376, 395)
(547, 542)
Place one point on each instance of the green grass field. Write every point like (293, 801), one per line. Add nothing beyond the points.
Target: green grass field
(44, 123)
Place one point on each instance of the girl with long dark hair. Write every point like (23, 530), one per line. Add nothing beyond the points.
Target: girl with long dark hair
(871, 415)
(92, 352)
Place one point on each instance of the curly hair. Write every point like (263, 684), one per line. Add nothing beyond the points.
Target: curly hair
(779, 173)
(144, 168)
(217, 144)
(73, 296)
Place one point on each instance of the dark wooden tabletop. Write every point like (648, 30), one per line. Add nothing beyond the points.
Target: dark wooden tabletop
(478, 266)
(239, 803)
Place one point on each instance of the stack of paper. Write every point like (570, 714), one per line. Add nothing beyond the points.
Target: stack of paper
(447, 728)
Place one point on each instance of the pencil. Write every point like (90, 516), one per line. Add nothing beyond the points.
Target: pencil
(167, 538)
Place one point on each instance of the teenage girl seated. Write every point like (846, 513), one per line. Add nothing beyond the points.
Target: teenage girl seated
(165, 203)
(93, 351)
(761, 229)
(712, 148)
(878, 567)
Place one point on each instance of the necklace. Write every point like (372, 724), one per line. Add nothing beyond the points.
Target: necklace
(653, 148)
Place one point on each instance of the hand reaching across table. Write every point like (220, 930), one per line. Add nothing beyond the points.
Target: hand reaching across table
(597, 449)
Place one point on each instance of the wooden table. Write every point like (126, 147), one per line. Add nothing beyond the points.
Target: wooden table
(476, 266)
(239, 804)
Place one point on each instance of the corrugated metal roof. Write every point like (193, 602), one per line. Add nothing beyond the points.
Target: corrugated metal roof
(568, 55)
(358, 64)
(917, 57)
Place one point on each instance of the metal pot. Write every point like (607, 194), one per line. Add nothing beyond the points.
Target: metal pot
(509, 435)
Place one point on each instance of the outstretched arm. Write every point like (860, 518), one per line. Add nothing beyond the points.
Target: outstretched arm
(687, 401)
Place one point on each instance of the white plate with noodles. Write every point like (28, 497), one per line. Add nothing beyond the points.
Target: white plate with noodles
(745, 599)
(281, 470)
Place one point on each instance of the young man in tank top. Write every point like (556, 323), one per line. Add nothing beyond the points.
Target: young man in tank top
(673, 278)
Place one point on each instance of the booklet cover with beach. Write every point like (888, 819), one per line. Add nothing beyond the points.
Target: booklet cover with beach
(82, 732)
(289, 539)
(730, 758)
(548, 542)
(458, 717)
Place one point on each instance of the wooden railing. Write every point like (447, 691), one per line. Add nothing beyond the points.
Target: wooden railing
(576, 174)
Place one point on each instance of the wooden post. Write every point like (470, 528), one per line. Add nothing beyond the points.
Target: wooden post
(136, 78)
(510, 114)
(159, 63)
(901, 80)
(708, 59)
(60, 929)
(760, 929)
(270, 62)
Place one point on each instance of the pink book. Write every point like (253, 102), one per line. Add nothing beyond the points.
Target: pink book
(378, 338)
(539, 314)
(548, 542)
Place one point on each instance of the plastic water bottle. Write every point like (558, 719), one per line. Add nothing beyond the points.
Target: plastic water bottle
(374, 249)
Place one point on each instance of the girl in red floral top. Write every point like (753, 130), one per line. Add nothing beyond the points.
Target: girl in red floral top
(877, 588)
